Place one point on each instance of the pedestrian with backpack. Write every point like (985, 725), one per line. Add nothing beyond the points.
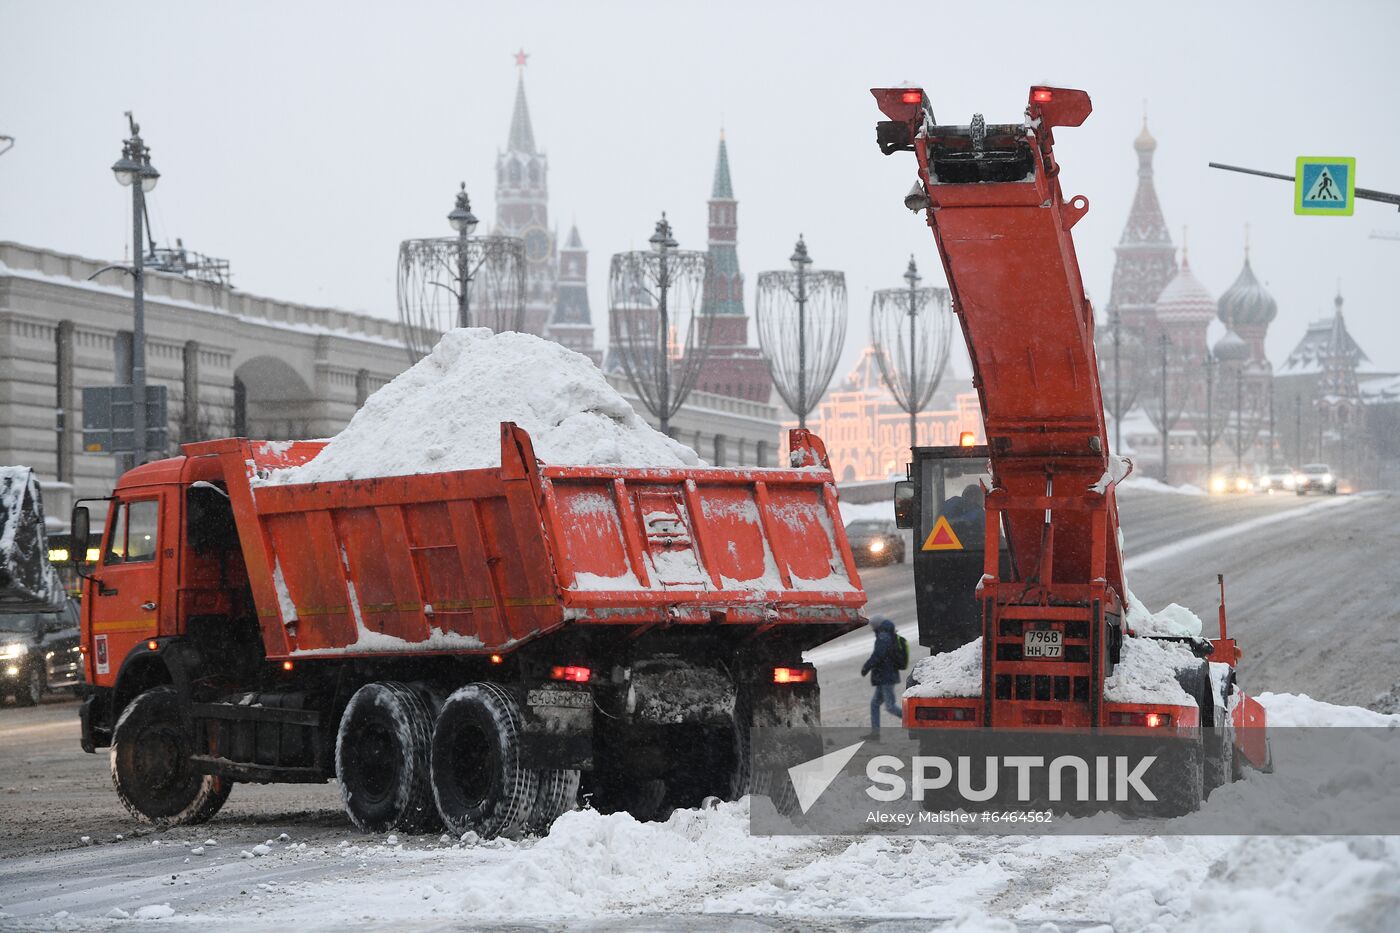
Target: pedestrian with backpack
(891, 655)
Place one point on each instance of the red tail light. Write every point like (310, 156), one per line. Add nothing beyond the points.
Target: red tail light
(1134, 718)
(793, 675)
(912, 97)
(1042, 95)
(572, 673)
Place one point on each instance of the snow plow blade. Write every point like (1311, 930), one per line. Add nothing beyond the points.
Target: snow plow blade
(27, 579)
(1251, 735)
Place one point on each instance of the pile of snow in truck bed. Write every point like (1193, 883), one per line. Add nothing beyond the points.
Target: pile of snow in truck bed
(444, 413)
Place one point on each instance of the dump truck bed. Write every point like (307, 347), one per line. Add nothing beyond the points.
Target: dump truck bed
(482, 560)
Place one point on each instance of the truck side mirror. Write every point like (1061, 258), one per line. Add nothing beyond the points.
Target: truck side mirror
(79, 532)
(904, 504)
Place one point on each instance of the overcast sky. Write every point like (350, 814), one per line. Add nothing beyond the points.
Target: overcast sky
(303, 141)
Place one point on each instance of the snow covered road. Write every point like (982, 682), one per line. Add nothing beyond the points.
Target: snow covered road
(1314, 614)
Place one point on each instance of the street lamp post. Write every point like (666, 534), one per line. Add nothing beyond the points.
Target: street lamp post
(1116, 322)
(1211, 365)
(911, 275)
(663, 242)
(464, 222)
(800, 261)
(135, 171)
(1164, 344)
(1239, 418)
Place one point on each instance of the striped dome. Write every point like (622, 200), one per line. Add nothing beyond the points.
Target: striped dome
(1185, 300)
(1247, 302)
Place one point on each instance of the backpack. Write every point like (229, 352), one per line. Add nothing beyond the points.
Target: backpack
(901, 651)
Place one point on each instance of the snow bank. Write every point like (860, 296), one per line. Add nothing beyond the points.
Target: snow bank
(956, 673)
(867, 511)
(1148, 484)
(444, 414)
(1299, 709)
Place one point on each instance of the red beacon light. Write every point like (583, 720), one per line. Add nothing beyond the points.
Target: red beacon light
(1042, 95)
(912, 97)
(573, 673)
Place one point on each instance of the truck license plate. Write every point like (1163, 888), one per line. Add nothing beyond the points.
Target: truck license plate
(574, 699)
(1044, 643)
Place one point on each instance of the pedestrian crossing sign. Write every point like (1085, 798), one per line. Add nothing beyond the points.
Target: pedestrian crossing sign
(1325, 185)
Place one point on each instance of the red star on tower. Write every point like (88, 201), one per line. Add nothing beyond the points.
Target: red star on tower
(520, 58)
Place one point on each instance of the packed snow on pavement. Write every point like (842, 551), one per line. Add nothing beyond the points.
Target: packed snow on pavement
(705, 862)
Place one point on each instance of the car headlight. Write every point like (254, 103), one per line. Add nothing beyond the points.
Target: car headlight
(1217, 484)
(1242, 484)
(17, 650)
(877, 546)
(1326, 478)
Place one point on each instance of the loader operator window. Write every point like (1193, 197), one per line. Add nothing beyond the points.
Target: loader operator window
(134, 534)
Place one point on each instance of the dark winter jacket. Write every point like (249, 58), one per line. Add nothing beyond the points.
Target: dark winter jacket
(883, 666)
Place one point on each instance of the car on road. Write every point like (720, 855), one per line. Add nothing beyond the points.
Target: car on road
(1231, 481)
(874, 541)
(1315, 477)
(39, 652)
(1276, 480)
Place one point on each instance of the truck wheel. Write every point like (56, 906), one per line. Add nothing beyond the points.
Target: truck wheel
(31, 691)
(381, 759)
(478, 781)
(558, 794)
(151, 769)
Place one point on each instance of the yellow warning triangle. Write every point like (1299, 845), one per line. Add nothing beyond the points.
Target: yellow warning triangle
(942, 538)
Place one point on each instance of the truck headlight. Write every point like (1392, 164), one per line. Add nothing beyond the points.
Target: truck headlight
(877, 546)
(17, 650)
(1217, 484)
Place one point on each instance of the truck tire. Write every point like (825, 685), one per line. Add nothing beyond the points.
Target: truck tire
(31, 691)
(557, 795)
(478, 781)
(150, 764)
(382, 759)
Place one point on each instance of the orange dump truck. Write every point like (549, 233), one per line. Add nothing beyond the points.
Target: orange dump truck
(461, 648)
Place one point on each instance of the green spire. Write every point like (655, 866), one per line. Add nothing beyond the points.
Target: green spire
(522, 135)
(723, 187)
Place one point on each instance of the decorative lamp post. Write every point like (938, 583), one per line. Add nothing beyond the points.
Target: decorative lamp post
(438, 277)
(801, 319)
(654, 299)
(464, 222)
(911, 330)
(135, 171)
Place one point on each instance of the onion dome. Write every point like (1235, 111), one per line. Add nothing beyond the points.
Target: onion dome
(1231, 348)
(1185, 300)
(1247, 302)
(1145, 141)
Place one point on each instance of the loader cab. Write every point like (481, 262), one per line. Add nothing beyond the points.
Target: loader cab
(942, 503)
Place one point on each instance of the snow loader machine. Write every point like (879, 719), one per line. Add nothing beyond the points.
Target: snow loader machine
(1017, 541)
(461, 649)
